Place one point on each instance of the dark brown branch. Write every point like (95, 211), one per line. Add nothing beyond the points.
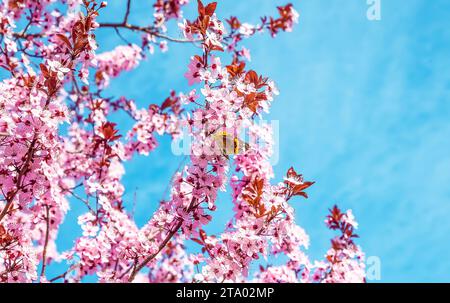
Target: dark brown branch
(147, 30)
(127, 13)
(63, 275)
(140, 266)
(47, 232)
(27, 35)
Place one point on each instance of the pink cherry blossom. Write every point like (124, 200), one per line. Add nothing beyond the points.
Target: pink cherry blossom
(193, 73)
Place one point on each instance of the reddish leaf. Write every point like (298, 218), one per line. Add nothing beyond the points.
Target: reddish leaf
(167, 103)
(253, 192)
(251, 77)
(109, 132)
(234, 23)
(210, 8)
(251, 102)
(44, 70)
(87, 24)
(202, 234)
(298, 190)
(236, 69)
(201, 8)
(295, 185)
(65, 40)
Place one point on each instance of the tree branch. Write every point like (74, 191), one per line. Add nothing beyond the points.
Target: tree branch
(63, 275)
(147, 30)
(139, 267)
(147, 260)
(127, 13)
(47, 231)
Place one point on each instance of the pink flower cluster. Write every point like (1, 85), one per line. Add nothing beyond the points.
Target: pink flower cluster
(47, 169)
(33, 202)
(169, 9)
(111, 64)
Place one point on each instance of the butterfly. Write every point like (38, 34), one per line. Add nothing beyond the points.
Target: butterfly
(230, 144)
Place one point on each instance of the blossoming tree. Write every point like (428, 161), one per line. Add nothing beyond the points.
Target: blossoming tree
(53, 76)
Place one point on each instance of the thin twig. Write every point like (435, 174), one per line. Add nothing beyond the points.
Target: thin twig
(47, 231)
(63, 275)
(127, 13)
(22, 34)
(147, 30)
(122, 37)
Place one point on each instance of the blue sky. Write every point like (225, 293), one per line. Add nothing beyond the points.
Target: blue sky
(364, 111)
